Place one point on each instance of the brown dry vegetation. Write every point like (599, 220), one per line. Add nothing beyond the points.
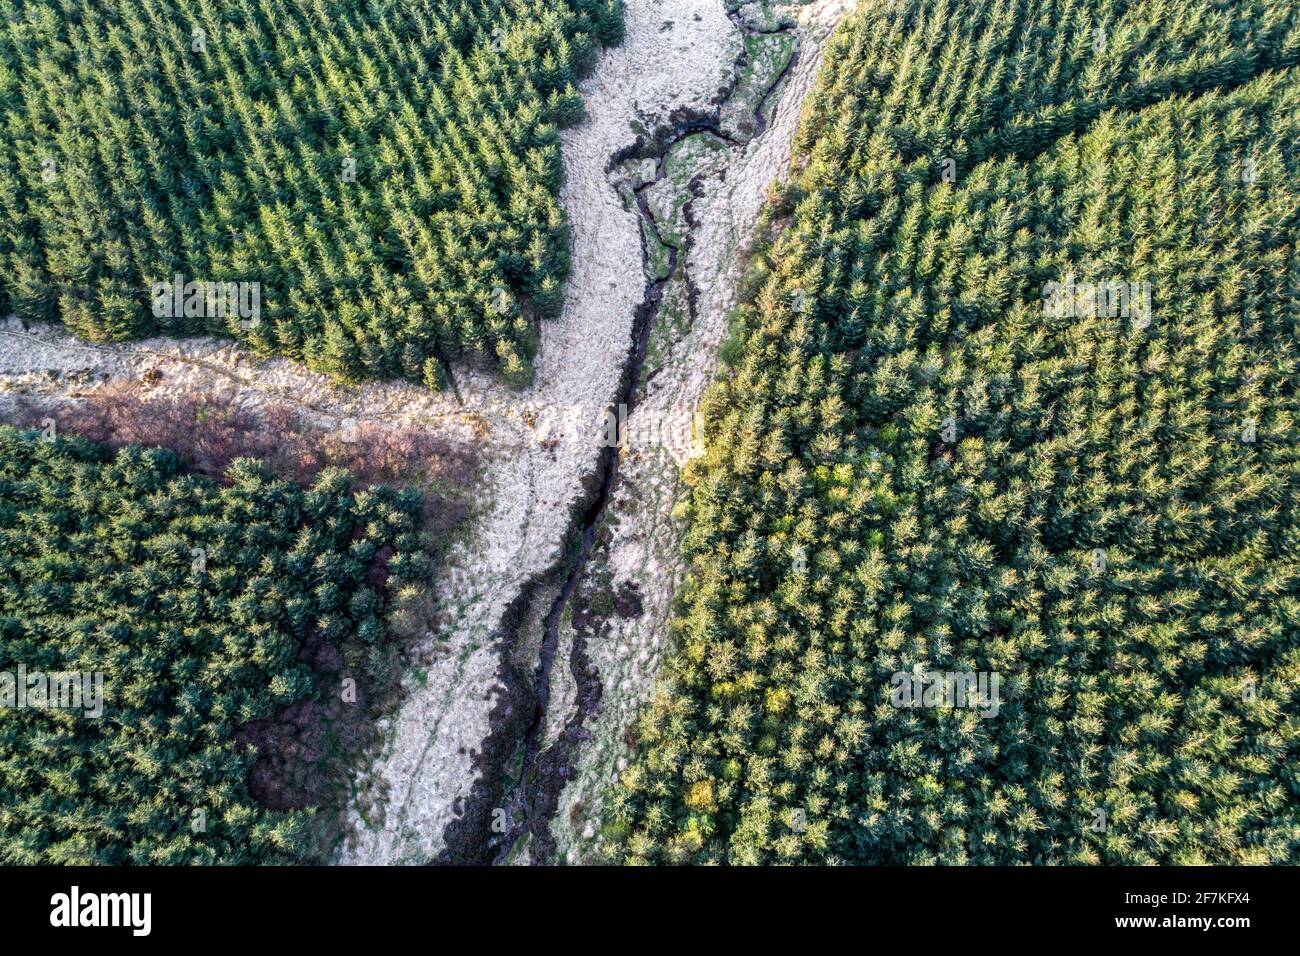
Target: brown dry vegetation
(210, 433)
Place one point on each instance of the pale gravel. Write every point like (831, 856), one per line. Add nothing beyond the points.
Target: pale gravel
(428, 761)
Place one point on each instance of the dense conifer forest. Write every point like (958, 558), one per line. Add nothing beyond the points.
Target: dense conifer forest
(386, 173)
(992, 547)
(1013, 395)
(206, 610)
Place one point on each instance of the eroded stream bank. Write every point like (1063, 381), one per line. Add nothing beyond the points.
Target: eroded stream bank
(697, 158)
(508, 739)
(637, 548)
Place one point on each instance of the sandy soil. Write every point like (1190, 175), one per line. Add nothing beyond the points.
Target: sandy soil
(48, 364)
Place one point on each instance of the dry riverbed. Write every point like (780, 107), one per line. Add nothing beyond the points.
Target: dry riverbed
(618, 630)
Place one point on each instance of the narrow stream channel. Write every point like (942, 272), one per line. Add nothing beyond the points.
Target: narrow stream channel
(532, 801)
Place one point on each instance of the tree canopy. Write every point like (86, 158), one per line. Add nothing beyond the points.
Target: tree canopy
(387, 173)
(924, 457)
(192, 601)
